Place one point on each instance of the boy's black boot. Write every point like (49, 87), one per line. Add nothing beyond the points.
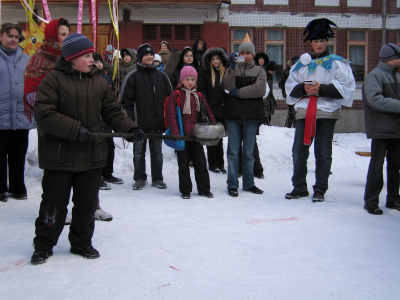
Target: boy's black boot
(86, 252)
(40, 256)
(373, 209)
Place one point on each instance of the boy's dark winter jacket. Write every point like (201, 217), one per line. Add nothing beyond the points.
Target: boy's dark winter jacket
(143, 94)
(188, 120)
(215, 95)
(65, 100)
(381, 99)
(250, 81)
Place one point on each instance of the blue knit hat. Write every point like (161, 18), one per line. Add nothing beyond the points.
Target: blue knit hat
(76, 45)
(143, 50)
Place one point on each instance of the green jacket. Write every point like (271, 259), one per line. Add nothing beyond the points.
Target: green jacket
(65, 100)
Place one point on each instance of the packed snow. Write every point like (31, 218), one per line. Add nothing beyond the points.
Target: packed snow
(159, 246)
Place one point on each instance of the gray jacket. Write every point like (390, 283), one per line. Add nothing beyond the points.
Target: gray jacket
(381, 99)
(12, 68)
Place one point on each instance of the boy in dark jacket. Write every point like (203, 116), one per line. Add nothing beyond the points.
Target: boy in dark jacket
(143, 94)
(381, 100)
(190, 106)
(70, 103)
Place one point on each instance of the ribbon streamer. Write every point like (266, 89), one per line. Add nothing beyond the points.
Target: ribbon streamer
(94, 21)
(114, 19)
(80, 10)
(27, 6)
(46, 10)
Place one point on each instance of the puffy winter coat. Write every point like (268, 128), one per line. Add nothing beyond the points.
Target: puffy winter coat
(215, 95)
(12, 68)
(250, 81)
(143, 94)
(124, 68)
(65, 100)
(381, 98)
(188, 121)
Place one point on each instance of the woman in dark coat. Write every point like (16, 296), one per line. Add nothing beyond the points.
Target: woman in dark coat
(215, 62)
(187, 58)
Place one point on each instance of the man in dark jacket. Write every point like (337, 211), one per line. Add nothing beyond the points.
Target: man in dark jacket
(291, 116)
(381, 100)
(143, 94)
(70, 103)
(246, 84)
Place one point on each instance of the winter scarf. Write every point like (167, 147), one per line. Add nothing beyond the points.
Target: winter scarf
(311, 120)
(39, 66)
(187, 108)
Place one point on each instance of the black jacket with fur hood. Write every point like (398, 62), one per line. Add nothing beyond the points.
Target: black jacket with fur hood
(215, 95)
(199, 53)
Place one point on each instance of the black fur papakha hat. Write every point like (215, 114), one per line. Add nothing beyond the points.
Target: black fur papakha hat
(319, 29)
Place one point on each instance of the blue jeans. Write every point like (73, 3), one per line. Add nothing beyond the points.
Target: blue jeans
(236, 131)
(139, 160)
(323, 155)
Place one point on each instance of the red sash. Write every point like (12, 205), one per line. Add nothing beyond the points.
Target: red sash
(311, 120)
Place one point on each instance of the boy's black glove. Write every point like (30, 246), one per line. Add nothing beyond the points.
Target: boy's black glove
(84, 134)
(138, 137)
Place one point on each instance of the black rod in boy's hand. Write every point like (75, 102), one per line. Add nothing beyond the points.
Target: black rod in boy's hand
(84, 134)
(154, 136)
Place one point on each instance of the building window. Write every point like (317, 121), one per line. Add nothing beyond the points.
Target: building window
(276, 2)
(357, 43)
(275, 48)
(359, 3)
(332, 45)
(327, 3)
(398, 38)
(177, 36)
(243, 2)
(237, 36)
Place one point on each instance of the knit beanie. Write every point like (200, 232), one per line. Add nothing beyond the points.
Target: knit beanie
(188, 71)
(143, 50)
(157, 58)
(271, 66)
(76, 45)
(247, 46)
(97, 56)
(389, 52)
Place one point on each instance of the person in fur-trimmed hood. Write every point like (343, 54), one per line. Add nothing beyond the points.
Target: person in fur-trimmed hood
(129, 62)
(199, 48)
(261, 59)
(215, 63)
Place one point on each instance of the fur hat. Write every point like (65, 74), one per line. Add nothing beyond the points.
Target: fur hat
(261, 55)
(389, 52)
(143, 50)
(188, 71)
(247, 46)
(76, 45)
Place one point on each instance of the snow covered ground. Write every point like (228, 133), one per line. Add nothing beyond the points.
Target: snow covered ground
(252, 247)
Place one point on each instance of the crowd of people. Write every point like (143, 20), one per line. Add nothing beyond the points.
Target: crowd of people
(66, 91)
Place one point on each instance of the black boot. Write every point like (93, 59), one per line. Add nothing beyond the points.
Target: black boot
(40, 256)
(373, 209)
(296, 194)
(86, 252)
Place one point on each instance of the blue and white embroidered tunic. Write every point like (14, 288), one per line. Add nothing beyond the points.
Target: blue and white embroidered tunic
(331, 69)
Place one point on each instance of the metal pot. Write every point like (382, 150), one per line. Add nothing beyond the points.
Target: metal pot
(209, 131)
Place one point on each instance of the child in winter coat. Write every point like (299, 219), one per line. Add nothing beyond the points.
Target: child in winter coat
(70, 104)
(190, 106)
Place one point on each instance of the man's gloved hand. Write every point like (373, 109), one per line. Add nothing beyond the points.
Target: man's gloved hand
(233, 92)
(232, 61)
(138, 137)
(84, 134)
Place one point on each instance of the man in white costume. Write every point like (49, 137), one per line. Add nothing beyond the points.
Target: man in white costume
(317, 86)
